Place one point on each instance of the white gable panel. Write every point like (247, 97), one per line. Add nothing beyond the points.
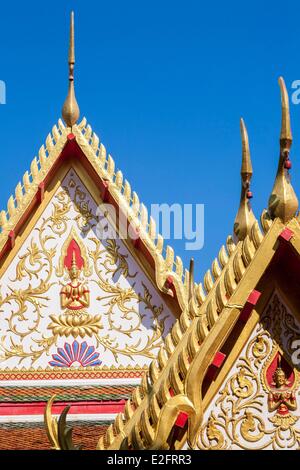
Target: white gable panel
(125, 318)
(251, 410)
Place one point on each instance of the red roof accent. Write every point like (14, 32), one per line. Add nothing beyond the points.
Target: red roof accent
(181, 419)
(286, 235)
(11, 239)
(218, 359)
(135, 237)
(80, 407)
(104, 190)
(41, 192)
(248, 307)
(253, 297)
(216, 364)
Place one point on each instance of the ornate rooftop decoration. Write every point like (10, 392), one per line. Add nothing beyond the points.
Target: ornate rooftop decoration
(70, 111)
(283, 202)
(245, 217)
(173, 386)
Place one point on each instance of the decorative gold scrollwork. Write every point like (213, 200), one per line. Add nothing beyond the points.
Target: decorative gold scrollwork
(252, 411)
(123, 305)
(125, 300)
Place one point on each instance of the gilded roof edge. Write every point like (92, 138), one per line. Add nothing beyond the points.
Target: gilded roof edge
(167, 265)
(152, 406)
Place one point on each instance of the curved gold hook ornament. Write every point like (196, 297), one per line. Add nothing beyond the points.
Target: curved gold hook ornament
(283, 202)
(65, 432)
(167, 420)
(59, 434)
(51, 425)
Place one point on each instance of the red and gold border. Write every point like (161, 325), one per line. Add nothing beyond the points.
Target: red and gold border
(72, 374)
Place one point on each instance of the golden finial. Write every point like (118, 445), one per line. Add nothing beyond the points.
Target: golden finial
(70, 111)
(283, 202)
(245, 217)
(286, 132)
(246, 169)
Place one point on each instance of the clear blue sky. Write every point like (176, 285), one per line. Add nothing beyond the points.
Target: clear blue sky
(164, 83)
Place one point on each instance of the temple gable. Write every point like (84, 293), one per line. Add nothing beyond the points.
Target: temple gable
(71, 299)
(257, 406)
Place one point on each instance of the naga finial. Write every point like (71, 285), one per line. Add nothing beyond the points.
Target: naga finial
(283, 202)
(245, 217)
(70, 111)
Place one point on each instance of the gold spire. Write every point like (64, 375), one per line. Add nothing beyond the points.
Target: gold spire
(70, 111)
(286, 132)
(245, 217)
(283, 202)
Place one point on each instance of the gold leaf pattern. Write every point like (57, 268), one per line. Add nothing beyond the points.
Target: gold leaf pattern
(124, 307)
(240, 418)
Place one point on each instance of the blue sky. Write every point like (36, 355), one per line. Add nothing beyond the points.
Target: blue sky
(164, 84)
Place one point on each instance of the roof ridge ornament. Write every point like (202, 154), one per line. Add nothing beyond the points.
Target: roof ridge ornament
(70, 110)
(283, 202)
(245, 217)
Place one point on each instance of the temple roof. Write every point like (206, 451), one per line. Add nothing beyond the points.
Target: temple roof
(207, 313)
(173, 384)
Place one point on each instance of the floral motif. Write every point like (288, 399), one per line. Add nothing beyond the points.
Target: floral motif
(121, 328)
(81, 354)
(262, 382)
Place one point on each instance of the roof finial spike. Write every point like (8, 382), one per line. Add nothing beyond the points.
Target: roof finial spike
(286, 132)
(283, 202)
(72, 43)
(245, 217)
(70, 111)
(246, 169)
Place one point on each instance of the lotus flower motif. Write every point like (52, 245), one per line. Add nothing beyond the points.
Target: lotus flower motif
(81, 354)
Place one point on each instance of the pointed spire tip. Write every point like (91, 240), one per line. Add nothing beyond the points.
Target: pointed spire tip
(246, 159)
(245, 217)
(286, 131)
(70, 111)
(72, 41)
(283, 202)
